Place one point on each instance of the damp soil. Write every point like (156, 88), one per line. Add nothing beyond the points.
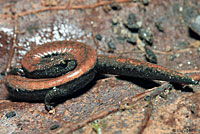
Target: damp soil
(175, 47)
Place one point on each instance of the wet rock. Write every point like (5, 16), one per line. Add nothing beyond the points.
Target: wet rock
(131, 23)
(111, 46)
(194, 25)
(146, 35)
(98, 37)
(150, 56)
(115, 6)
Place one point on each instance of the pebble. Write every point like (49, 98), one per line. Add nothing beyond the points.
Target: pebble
(194, 25)
(145, 2)
(98, 37)
(11, 114)
(146, 35)
(115, 6)
(131, 22)
(150, 55)
(111, 46)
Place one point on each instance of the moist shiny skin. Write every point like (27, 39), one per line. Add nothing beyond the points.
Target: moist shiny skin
(87, 65)
(31, 89)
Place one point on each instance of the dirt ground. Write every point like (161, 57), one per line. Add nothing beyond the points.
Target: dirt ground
(104, 23)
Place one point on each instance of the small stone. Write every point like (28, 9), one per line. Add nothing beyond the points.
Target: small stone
(194, 25)
(54, 127)
(114, 21)
(116, 30)
(115, 6)
(111, 46)
(150, 55)
(173, 56)
(198, 50)
(131, 22)
(10, 114)
(98, 37)
(145, 2)
(146, 35)
(132, 40)
(189, 13)
(131, 18)
(159, 25)
(124, 32)
(139, 23)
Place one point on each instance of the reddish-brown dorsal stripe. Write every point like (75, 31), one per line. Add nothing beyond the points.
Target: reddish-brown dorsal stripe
(84, 54)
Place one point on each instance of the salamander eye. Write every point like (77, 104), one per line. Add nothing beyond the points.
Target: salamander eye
(52, 65)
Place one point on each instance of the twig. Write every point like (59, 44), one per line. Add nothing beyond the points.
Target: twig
(66, 6)
(171, 52)
(189, 71)
(79, 125)
(156, 91)
(13, 45)
(68, 128)
(146, 118)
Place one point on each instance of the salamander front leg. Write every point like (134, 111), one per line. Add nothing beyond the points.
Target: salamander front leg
(49, 97)
(56, 93)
